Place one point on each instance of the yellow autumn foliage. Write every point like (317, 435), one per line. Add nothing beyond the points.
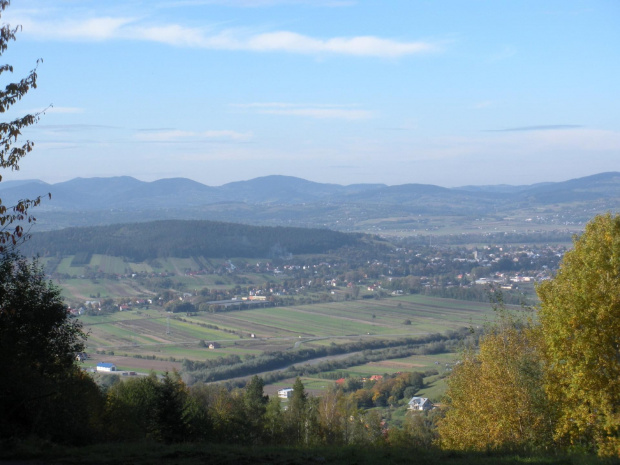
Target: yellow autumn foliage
(580, 319)
(495, 397)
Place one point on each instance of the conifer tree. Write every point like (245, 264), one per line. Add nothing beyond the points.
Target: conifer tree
(38, 347)
(296, 413)
(255, 407)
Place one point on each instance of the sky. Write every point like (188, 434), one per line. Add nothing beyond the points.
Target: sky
(447, 92)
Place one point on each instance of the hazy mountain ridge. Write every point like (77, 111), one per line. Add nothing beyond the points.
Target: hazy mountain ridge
(286, 200)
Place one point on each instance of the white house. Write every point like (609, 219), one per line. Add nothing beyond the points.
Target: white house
(102, 366)
(286, 393)
(420, 403)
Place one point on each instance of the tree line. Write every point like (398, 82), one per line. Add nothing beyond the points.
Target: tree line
(231, 366)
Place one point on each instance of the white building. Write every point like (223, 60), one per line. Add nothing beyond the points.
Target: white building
(286, 393)
(106, 367)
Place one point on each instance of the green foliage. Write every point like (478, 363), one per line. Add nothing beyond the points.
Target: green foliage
(274, 426)
(12, 218)
(295, 416)
(149, 408)
(255, 403)
(177, 306)
(38, 346)
(580, 317)
(419, 430)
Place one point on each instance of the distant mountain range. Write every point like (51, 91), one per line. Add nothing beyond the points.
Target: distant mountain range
(285, 200)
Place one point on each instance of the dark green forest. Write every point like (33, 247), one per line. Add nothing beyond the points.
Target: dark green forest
(158, 239)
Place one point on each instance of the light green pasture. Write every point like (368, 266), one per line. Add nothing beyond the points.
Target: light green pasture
(65, 267)
(303, 321)
(419, 363)
(201, 353)
(88, 320)
(108, 264)
(199, 332)
(345, 318)
(75, 290)
(434, 388)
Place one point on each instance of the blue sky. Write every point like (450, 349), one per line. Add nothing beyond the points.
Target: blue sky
(361, 91)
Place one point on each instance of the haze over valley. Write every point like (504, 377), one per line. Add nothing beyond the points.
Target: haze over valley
(409, 209)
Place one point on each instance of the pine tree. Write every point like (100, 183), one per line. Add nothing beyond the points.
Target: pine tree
(296, 413)
(255, 403)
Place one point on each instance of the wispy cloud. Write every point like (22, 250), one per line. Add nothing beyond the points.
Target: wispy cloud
(173, 135)
(318, 111)
(72, 127)
(546, 127)
(57, 110)
(133, 28)
(261, 3)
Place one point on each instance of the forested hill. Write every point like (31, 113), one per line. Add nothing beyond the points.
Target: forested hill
(142, 241)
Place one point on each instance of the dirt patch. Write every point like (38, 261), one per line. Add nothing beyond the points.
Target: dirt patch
(138, 364)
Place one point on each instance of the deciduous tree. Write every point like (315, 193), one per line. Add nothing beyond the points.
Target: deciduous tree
(13, 218)
(580, 317)
(495, 397)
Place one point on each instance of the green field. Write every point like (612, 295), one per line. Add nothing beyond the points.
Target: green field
(156, 333)
(105, 276)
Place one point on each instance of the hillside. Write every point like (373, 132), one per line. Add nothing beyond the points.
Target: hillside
(149, 240)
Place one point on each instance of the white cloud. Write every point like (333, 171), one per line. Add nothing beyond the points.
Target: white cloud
(94, 29)
(174, 135)
(361, 46)
(319, 111)
(128, 28)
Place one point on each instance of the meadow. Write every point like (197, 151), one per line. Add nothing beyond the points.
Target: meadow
(141, 339)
